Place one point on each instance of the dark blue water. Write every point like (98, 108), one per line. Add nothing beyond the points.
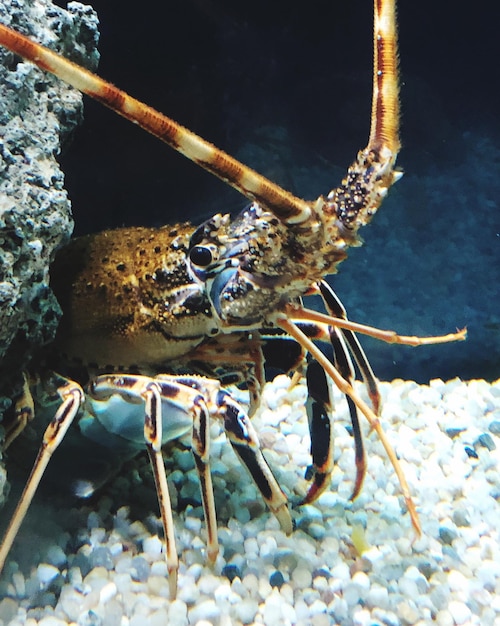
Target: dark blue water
(286, 87)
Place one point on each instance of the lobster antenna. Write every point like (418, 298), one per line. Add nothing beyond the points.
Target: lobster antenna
(384, 130)
(251, 184)
(287, 207)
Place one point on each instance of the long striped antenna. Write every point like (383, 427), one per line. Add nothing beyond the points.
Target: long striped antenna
(251, 184)
(286, 206)
(385, 104)
(356, 200)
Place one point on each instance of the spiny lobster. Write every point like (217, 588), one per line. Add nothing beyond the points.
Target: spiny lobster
(155, 319)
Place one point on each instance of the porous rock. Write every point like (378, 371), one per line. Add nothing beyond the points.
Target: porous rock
(37, 115)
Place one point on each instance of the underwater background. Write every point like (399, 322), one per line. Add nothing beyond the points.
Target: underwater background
(285, 87)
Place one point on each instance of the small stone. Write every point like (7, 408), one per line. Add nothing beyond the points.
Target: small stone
(206, 610)
(447, 534)
(177, 613)
(140, 569)
(101, 557)
(159, 618)
(285, 559)
(444, 618)
(408, 612)
(8, 609)
(440, 596)
(81, 561)
(93, 520)
(408, 587)
(19, 584)
(362, 618)
(486, 441)
(50, 620)
(46, 573)
(152, 546)
(457, 581)
(108, 592)
(276, 579)
(70, 601)
(460, 612)
(471, 453)
(454, 432)
(351, 594)
(274, 608)
(302, 577)
(231, 571)
(193, 524)
(246, 610)
(377, 596)
(339, 609)
(323, 572)
(494, 427)
(56, 556)
(461, 517)
(320, 619)
(427, 568)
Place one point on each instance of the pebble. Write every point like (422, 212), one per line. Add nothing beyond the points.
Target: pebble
(494, 427)
(246, 610)
(460, 612)
(276, 579)
(46, 573)
(206, 610)
(449, 576)
(101, 557)
(8, 609)
(448, 534)
(152, 546)
(486, 441)
(231, 572)
(302, 577)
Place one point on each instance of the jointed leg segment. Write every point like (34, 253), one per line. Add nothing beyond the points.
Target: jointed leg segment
(72, 396)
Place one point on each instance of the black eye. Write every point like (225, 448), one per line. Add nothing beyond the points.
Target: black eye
(201, 256)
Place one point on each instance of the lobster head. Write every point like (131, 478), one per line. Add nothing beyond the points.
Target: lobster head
(250, 266)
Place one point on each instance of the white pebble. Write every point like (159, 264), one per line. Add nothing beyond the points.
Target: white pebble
(52, 621)
(206, 610)
(152, 546)
(107, 592)
(177, 613)
(362, 582)
(46, 573)
(193, 524)
(377, 596)
(460, 612)
(457, 581)
(302, 577)
(246, 610)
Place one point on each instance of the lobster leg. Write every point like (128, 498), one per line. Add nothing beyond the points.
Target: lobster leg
(297, 314)
(153, 438)
(345, 387)
(174, 391)
(72, 396)
(335, 308)
(24, 413)
(245, 442)
(200, 448)
(319, 412)
(320, 403)
(343, 364)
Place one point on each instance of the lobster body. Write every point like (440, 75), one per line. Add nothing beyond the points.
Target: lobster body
(128, 300)
(157, 318)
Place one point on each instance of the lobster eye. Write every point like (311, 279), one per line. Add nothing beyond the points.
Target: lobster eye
(201, 256)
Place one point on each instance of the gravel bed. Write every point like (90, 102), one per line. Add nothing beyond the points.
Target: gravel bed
(346, 563)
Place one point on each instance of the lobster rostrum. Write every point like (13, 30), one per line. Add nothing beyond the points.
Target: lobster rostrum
(170, 299)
